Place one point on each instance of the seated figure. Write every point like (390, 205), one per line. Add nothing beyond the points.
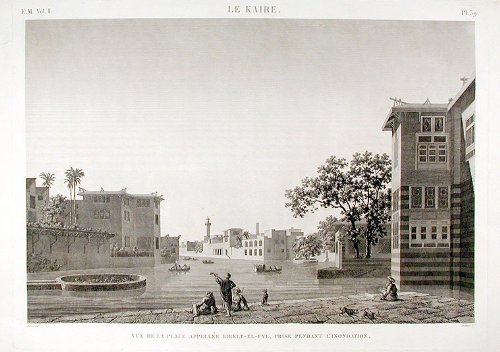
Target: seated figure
(206, 306)
(238, 300)
(390, 292)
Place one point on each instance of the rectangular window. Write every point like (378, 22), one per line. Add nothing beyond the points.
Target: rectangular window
(442, 153)
(438, 124)
(395, 235)
(127, 241)
(395, 200)
(260, 251)
(246, 252)
(426, 124)
(108, 199)
(440, 139)
(434, 232)
(423, 232)
(413, 232)
(424, 139)
(469, 121)
(416, 197)
(282, 251)
(107, 214)
(32, 202)
(469, 136)
(268, 250)
(444, 232)
(250, 252)
(143, 203)
(430, 197)
(443, 197)
(422, 153)
(432, 153)
(396, 149)
(40, 197)
(126, 201)
(157, 220)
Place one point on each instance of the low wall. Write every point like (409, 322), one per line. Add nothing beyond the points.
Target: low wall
(78, 253)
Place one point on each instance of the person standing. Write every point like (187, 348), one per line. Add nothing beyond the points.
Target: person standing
(226, 287)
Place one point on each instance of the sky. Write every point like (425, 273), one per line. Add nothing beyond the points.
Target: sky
(221, 116)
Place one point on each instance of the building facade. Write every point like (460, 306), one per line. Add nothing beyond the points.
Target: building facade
(36, 198)
(135, 218)
(270, 245)
(432, 231)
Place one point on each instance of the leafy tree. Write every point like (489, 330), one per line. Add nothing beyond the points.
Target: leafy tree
(372, 174)
(198, 248)
(357, 190)
(326, 230)
(307, 247)
(56, 211)
(239, 239)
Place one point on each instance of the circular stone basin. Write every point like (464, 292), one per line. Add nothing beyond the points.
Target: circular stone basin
(101, 282)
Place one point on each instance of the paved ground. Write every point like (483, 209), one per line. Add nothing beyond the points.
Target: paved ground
(412, 308)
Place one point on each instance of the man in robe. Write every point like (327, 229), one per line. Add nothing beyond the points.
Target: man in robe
(226, 291)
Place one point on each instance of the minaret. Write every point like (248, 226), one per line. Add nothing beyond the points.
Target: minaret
(207, 224)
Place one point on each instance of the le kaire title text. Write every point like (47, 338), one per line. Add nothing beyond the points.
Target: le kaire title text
(255, 9)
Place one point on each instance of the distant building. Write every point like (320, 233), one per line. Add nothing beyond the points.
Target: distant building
(36, 198)
(433, 190)
(272, 245)
(234, 243)
(135, 218)
(222, 245)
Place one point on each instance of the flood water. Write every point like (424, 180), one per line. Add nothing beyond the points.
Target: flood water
(166, 289)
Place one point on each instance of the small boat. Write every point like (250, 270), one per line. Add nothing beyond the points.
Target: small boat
(182, 268)
(261, 268)
(305, 261)
(207, 261)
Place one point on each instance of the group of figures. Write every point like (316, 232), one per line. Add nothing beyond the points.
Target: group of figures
(232, 298)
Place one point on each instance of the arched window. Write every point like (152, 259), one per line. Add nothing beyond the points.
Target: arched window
(255, 243)
(260, 243)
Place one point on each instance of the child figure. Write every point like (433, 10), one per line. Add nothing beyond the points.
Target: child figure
(265, 296)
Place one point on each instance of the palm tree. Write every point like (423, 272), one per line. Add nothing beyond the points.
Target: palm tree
(77, 179)
(73, 179)
(69, 180)
(48, 180)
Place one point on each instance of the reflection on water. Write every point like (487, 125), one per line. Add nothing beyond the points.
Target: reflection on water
(166, 289)
(105, 294)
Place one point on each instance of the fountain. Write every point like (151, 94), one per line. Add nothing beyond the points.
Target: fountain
(101, 282)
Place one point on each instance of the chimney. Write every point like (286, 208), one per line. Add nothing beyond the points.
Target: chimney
(257, 228)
